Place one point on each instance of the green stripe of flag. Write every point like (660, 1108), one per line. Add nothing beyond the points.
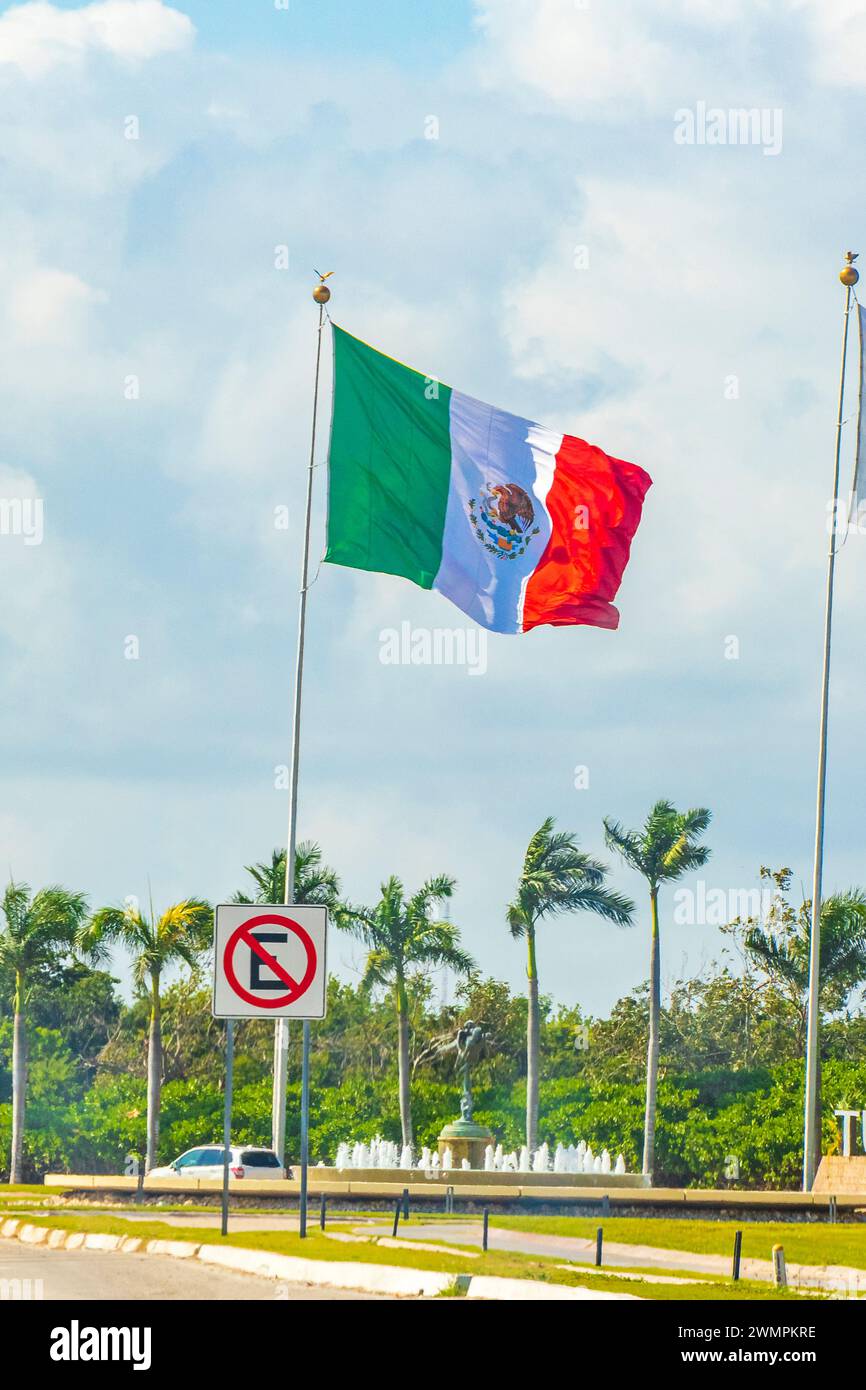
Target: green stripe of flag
(389, 464)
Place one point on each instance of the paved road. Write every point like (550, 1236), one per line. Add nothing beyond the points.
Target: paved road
(92, 1275)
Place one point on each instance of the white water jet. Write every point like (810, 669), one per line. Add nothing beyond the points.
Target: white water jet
(385, 1154)
(541, 1160)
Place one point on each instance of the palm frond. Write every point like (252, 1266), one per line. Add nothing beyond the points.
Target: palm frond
(665, 847)
(400, 934)
(378, 970)
(16, 900)
(626, 843)
(315, 882)
(777, 957)
(107, 926)
(516, 920)
(558, 877)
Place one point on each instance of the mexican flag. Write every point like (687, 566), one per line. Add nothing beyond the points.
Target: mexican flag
(516, 524)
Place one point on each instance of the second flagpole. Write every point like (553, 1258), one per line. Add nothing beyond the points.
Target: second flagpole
(321, 295)
(812, 1119)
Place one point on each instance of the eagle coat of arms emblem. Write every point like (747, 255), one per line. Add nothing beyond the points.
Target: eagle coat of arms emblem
(502, 517)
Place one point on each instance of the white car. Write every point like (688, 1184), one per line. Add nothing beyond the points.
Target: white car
(245, 1161)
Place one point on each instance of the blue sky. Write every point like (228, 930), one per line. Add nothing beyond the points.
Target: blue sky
(405, 33)
(465, 255)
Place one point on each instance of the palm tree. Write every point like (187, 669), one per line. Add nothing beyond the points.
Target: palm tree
(181, 934)
(37, 929)
(557, 877)
(781, 948)
(315, 882)
(401, 934)
(662, 851)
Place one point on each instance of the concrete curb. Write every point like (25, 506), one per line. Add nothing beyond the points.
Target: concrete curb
(33, 1235)
(94, 1241)
(330, 1274)
(177, 1249)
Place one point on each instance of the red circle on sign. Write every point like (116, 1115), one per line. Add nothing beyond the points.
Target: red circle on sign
(297, 989)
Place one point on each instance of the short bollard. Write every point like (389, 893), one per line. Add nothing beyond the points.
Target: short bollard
(599, 1241)
(397, 1206)
(831, 1214)
(738, 1250)
(323, 1206)
(449, 1201)
(405, 1204)
(485, 1229)
(780, 1274)
(605, 1205)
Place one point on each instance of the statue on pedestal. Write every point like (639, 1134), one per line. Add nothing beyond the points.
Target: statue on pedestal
(469, 1046)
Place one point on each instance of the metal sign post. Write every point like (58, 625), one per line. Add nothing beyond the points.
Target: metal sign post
(227, 1119)
(270, 961)
(305, 1132)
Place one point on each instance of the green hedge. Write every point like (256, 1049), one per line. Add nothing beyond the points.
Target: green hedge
(703, 1123)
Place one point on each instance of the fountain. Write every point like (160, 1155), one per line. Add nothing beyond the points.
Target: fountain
(464, 1146)
(569, 1159)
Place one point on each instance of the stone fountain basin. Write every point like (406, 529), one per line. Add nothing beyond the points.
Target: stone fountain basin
(479, 1177)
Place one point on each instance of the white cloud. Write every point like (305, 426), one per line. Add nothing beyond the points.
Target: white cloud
(839, 35)
(40, 37)
(608, 59)
(48, 306)
(574, 55)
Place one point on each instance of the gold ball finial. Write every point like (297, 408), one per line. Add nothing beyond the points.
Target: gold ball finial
(848, 275)
(321, 293)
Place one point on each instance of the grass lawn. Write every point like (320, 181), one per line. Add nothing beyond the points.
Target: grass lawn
(812, 1243)
(25, 1188)
(506, 1265)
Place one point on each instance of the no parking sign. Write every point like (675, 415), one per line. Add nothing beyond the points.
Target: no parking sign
(270, 961)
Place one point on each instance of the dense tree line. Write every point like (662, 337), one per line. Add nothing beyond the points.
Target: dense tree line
(725, 1047)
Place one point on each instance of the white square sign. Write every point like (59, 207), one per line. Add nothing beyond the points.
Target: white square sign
(270, 961)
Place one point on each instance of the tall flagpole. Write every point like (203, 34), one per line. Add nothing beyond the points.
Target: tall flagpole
(812, 1121)
(321, 294)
